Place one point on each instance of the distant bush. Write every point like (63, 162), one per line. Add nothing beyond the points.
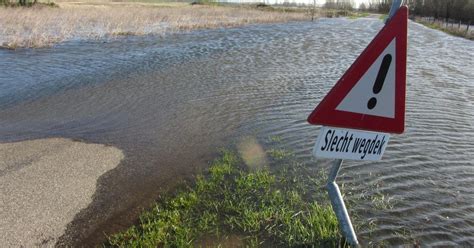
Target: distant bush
(337, 13)
(26, 3)
(343, 13)
(261, 5)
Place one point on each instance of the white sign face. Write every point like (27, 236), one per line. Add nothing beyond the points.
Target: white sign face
(350, 144)
(374, 93)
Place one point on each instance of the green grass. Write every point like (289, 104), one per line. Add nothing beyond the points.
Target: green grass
(275, 139)
(279, 154)
(260, 208)
(355, 15)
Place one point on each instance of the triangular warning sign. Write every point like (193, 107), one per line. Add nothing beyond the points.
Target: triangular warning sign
(371, 94)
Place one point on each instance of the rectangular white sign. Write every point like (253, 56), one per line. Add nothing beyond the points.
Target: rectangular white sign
(350, 144)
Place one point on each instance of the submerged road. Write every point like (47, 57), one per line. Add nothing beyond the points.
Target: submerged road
(94, 131)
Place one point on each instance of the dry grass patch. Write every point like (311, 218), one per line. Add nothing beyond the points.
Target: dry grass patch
(452, 30)
(40, 27)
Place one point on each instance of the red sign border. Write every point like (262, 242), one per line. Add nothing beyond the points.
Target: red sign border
(326, 114)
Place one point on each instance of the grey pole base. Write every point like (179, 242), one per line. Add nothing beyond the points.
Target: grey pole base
(339, 207)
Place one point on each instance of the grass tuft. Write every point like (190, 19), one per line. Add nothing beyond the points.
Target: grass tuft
(275, 139)
(279, 154)
(261, 208)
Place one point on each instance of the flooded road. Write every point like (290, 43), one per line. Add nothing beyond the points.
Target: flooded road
(169, 103)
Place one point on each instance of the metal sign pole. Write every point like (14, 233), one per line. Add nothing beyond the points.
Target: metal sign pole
(338, 205)
(333, 190)
(396, 4)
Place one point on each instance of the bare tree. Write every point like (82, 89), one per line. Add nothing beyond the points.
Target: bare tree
(459, 10)
(330, 4)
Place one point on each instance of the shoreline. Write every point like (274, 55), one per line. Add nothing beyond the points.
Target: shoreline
(238, 201)
(46, 183)
(453, 31)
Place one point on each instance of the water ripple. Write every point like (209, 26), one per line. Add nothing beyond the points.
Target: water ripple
(192, 92)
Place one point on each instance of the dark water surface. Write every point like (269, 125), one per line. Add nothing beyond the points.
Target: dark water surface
(170, 102)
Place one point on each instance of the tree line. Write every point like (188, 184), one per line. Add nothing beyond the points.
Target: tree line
(339, 4)
(461, 10)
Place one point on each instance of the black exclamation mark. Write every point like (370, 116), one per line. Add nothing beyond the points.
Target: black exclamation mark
(387, 59)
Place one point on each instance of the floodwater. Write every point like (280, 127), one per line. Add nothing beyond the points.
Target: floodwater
(171, 102)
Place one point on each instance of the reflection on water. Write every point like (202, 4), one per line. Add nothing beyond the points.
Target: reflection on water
(252, 153)
(170, 102)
